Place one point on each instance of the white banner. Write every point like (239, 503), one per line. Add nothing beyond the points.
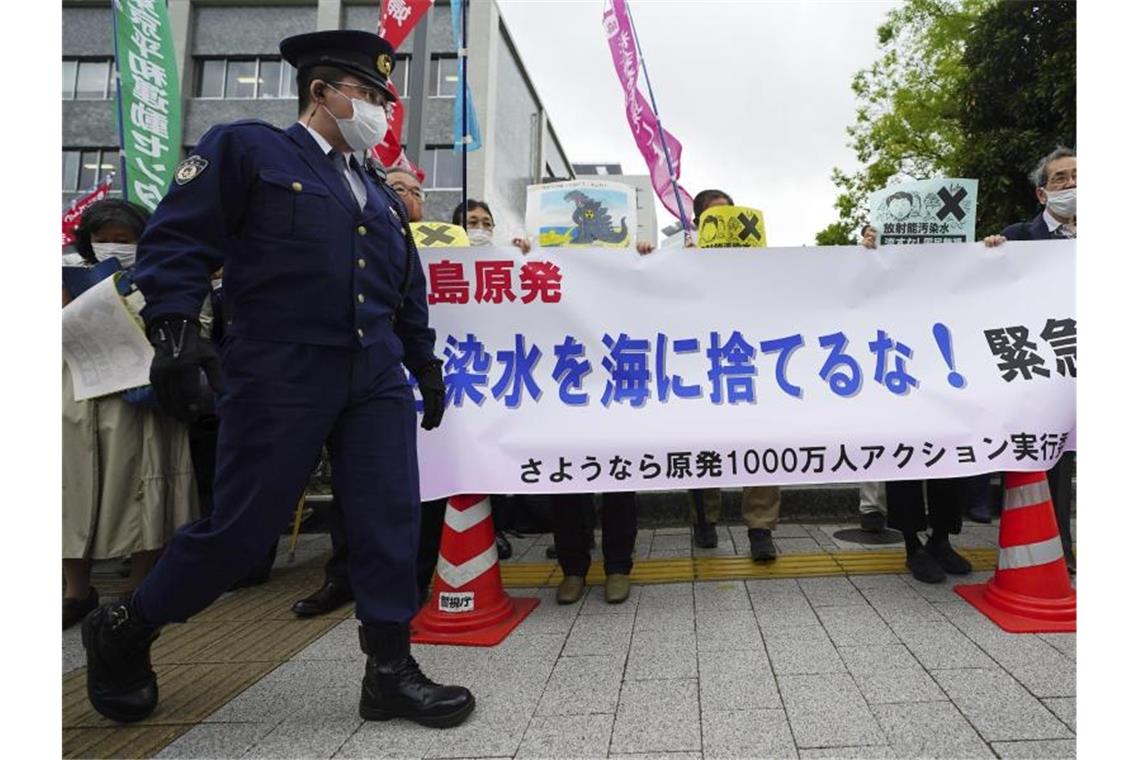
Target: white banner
(103, 343)
(601, 370)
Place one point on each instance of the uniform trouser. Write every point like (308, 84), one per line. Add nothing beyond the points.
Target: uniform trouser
(907, 510)
(282, 401)
(431, 530)
(760, 506)
(1061, 490)
(573, 527)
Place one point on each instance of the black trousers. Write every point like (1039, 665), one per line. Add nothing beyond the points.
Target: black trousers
(572, 515)
(941, 509)
(1061, 490)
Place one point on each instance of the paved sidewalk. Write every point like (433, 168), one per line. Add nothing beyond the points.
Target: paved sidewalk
(858, 666)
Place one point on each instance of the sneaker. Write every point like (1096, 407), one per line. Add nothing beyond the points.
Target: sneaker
(704, 535)
(948, 559)
(872, 522)
(761, 546)
(925, 567)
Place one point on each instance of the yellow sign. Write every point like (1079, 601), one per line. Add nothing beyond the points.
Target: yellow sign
(439, 235)
(731, 227)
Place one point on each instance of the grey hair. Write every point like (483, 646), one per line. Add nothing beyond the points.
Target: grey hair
(1037, 176)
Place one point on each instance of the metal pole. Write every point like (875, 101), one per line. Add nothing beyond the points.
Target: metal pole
(418, 84)
(660, 128)
(463, 83)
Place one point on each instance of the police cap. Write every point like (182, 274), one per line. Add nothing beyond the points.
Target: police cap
(360, 53)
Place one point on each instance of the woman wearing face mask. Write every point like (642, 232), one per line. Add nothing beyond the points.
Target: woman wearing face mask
(128, 482)
(475, 216)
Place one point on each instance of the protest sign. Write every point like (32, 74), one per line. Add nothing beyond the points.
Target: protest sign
(926, 211)
(74, 211)
(103, 343)
(439, 234)
(731, 227)
(582, 213)
(598, 370)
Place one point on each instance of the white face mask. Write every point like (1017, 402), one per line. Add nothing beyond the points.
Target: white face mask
(367, 125)
(1062, 203)
(124, 252)
(479, 236)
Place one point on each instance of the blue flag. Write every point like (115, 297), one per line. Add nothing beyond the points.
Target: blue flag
(457, 110)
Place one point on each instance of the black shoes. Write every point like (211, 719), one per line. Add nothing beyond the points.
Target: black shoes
(924, 567)
(75, 610)
(761, 545)
(120, 682)
(704, 535)
(872, 522)
(948, 559)
(980, 513)
(395, 687)
(503, 545)
(334, 594)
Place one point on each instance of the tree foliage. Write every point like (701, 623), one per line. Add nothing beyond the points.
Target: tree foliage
(969, 88)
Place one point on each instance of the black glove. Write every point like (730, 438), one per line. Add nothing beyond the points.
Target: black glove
(180, 356)
(430, 379)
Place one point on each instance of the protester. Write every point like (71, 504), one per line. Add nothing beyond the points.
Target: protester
(284, 211)
(760, 505)
(571, 515)
(1054, 180)
(477, 219)
(128, 481)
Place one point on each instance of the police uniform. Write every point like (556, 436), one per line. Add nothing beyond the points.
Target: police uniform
(324, 301)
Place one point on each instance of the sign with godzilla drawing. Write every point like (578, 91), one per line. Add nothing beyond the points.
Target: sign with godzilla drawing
(586, 213)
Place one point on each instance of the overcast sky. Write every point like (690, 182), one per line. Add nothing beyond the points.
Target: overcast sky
(758, 93)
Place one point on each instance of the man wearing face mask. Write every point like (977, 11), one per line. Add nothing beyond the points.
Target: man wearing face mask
(1055, 182)
(324, 300)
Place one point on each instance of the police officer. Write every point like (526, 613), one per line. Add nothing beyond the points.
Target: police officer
(324, 299)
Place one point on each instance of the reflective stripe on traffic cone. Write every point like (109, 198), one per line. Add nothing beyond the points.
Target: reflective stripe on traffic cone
(468, 605)
(1030, 591)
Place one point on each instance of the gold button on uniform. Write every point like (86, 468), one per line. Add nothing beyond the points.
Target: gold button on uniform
(360, 334)
(361, 263)
(297, 187)
(360, 298)
(362, 230)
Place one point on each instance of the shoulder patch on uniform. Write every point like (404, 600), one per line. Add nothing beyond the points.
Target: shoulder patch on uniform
(189, 169)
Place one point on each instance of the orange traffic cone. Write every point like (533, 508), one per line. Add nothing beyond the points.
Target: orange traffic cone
(468, 605)
(1030, 591)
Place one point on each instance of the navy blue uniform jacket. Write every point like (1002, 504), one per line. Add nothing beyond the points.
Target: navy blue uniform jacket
(303, 263)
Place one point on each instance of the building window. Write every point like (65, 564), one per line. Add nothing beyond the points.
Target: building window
(88, 79)
(443, 81)
(245, 78)
(443, 167)
(399, 75)
(83, 168)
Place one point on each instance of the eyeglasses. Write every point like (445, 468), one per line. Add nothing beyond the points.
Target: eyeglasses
(415, 192)
(372, 96)
(1060, 179)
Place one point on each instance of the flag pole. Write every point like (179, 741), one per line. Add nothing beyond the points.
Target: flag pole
(463, 85)
(660, 128)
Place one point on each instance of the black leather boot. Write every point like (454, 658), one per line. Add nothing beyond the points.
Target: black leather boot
(120, 682)
(395, 687)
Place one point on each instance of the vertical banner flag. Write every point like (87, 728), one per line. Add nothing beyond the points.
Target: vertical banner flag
(150, 102)
(646, 132)
(458, 135)
(397, 17)
(75, 209)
